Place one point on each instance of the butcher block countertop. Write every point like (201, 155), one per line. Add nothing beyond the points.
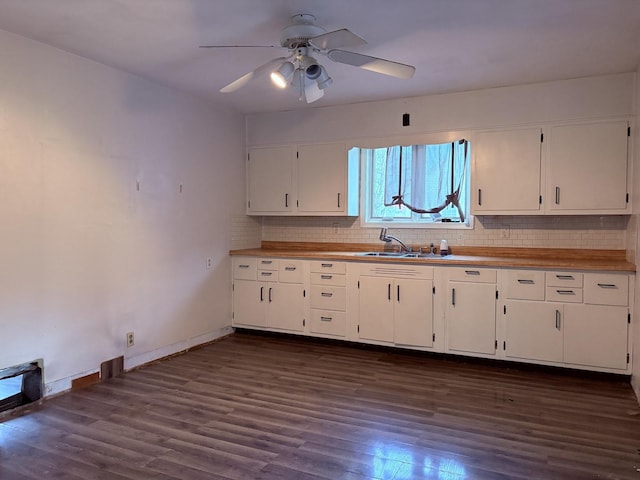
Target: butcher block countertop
(505, 257)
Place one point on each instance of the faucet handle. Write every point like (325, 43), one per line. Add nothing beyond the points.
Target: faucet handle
(383, 235)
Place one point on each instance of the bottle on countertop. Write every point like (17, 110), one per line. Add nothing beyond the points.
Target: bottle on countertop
(444, 248)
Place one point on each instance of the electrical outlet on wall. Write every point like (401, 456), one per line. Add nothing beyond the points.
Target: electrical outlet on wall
(130, 339)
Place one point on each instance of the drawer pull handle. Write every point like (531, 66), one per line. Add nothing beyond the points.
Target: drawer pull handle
(327, 265)
(472, 272)
(243, 266)
(565, 277)
(266, 262)
(289, 269)
(558, 320)
(326, 319)
(607, 285)
(565, 292)
(266, 274)
(326, 277)
(526, 281)
(327, 294)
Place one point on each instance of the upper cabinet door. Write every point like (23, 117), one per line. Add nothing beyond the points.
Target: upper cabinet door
(270, 180)
(587, 168)
(322, 178)
(506, 172)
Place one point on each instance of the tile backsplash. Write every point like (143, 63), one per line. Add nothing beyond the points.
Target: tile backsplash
(594, 232)
(246, 231)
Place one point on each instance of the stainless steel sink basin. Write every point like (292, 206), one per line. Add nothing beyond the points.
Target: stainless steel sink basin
(401, 255)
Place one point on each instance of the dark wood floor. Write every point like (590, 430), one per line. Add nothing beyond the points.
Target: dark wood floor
(256, 407)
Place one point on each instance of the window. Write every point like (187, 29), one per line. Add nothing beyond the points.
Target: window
(416, 184)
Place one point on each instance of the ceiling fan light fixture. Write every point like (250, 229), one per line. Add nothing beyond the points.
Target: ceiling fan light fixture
(324, 80)
(313, 71)
(281, 76)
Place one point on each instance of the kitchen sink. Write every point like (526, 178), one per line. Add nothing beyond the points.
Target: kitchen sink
(401, 255)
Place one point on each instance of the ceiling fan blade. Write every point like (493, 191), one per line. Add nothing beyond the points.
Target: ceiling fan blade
(243, 80)
(312, 92)
(374, 64)
(239, 46)
(337, 38)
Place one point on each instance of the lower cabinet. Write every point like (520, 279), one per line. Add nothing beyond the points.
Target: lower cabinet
(533, 330)
(396, 310)
(471, 311)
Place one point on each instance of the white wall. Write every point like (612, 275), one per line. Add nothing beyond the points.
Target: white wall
(84, 255)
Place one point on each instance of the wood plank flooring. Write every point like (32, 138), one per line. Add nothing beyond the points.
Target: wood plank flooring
(265, 407)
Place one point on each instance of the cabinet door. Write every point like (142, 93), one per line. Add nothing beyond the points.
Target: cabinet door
(286, 306)
(376, 309)
(533, 330)
(249, 305)
(471, 317)
(270, 180)
(322, 178)
(596, 335)
(506, 171)
(587, 168)
(413, 312)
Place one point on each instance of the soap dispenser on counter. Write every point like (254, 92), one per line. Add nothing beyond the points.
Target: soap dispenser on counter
(444, 248)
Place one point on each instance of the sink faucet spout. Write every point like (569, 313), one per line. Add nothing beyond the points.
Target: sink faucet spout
(384, 237)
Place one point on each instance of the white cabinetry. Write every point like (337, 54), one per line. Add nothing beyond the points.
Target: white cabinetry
(328, 299)
(269, 293)
(471, 311)
(302, 180)
(270, 180)
(587, 168)
(506, 172)
(396, 305)
(581, 320)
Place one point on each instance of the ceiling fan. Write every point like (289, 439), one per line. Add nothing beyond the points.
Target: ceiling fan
(300, 69)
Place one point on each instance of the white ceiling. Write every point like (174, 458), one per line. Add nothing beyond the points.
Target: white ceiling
(455, 45)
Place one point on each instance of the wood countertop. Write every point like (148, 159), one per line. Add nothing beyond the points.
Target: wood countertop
(505, 257)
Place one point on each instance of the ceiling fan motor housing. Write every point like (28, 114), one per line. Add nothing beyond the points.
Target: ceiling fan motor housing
(300, 31)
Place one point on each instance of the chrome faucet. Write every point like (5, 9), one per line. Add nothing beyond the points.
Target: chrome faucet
(388, 238)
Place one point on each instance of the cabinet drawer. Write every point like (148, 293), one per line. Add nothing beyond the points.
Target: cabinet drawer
(291, 271)
(606, 289)
(328, 279)
(328, 323)
(479, 275)
(564, 279)
(245, 268)
(524, 285)
(267, 264)
(267, 276)
(328, 298)
(563, 294)
(328, 266)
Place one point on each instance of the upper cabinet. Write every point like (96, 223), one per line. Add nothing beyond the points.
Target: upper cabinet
(557, 170)
(506, 172)
(303, 180)
(587, 168)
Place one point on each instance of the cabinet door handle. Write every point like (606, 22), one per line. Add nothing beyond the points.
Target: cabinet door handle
(289, 269)
(327, 265)
(607, 285)
(557, 195)
(453, 297)
(472, 272)
(558, 320)
(565, 277)
(565, 292)
(526, 281)
(326, 277)
(326, 319)
(398, 293)
(286, 200)
(338, 200)
(389, 292)
(243, 266)
(479, 196)
(262, 294)
(326, 294)
(269, 294)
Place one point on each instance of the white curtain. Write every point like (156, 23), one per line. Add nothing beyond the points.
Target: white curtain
(427, 178)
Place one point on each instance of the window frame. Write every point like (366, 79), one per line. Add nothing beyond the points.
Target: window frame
(428, 139)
